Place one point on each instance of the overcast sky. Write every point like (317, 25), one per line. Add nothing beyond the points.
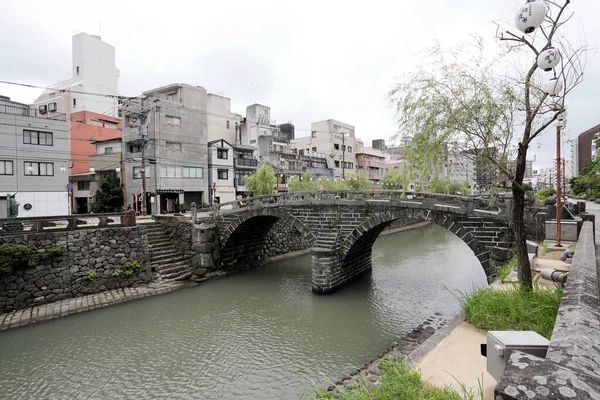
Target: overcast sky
(307, 60)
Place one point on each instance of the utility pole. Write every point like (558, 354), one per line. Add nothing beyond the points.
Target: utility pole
(558, 199)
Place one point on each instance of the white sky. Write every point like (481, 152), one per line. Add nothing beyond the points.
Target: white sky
(307, 60)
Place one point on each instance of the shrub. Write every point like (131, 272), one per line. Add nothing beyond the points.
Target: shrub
(543, 194)
(512, 310)
(23, 256)
(133, 267)
(89, 276)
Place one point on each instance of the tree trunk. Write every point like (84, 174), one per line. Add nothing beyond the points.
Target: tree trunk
(518, 219)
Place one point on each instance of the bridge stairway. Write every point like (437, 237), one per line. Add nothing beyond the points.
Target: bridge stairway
(488, 233)
(326, 240)
(166, 260)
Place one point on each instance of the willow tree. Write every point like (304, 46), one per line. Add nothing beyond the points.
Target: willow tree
(262, 181)
(462, 102)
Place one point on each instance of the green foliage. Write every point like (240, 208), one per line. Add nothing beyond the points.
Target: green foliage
(89, 276)
(443, 185)
(305, 184)
(109, 196)
(262, 181)
(527, 187)
(182, 208)
(398, 381)
(358, 181)
(507, 268)
(326, 184)
(518, 309)
(454, 102)
(23, 256)
(133, 267)
(392, 181)
(543, 194)
(543, 248)
(588, 181)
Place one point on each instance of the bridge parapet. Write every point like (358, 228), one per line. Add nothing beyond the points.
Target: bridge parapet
(466, 205)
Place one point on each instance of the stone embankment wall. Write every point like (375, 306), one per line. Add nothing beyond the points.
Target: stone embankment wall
(100, 251)
(282, 239)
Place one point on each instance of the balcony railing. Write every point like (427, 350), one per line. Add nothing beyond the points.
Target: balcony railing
(30, 112)
(239, 182)
(245, 162)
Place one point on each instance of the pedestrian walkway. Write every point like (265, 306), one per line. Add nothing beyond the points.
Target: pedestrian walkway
(75, 305)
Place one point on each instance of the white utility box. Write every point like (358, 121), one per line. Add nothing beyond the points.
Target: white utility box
(501, 344)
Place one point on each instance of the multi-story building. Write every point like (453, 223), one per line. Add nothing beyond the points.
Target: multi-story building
(371, 161)
(173, 142)
(461, 168)
(221, 175)
(585, 141)
(93, 85)
(222, 123)
(244, 164)
(106, 160)
(34, 160)
(336, 140)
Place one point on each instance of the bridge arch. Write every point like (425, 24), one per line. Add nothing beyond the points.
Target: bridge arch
(357, 245)
(243, 234)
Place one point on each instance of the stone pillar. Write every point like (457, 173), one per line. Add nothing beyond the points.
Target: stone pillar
(326, 270)
(194, 212)
(205, 246)
(590, 217)
(540, 227)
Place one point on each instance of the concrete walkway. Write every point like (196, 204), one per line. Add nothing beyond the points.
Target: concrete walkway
(75, 305)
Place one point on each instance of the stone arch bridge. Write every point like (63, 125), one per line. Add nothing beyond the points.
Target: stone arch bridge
(341, 227)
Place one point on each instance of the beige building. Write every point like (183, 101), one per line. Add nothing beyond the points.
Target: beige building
(336, 140)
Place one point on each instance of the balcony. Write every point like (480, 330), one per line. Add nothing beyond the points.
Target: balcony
(30, 112)
(245, 163)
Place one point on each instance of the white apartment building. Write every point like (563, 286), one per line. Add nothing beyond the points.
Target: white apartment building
(34, 160)
(93, 71)
(336, 140)
(461, 168)
(220, 171)
(222, 123)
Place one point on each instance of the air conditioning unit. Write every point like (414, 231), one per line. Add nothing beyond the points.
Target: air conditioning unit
(52, 107)
(43, 109)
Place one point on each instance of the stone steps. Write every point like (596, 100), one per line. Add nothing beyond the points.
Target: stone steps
(170, 264)
(161, 258)
(169, 261)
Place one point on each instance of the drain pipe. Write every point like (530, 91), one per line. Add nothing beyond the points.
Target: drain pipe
(554, 275)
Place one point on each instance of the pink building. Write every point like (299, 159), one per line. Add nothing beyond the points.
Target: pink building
(372, 162)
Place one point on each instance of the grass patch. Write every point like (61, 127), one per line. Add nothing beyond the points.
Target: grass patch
(507, 268)
(543, 248)
(399, 381)
(512, 310)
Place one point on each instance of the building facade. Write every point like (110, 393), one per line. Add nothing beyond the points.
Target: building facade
(34, 160)
(372, 162)
(584, 147)
(221, 176)
(222, 123)
(336, 140)
(173, 143)
(94, 72)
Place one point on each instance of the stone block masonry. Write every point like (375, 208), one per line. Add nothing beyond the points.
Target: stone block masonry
(97, 252)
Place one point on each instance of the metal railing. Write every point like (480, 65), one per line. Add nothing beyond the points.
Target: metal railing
(30, 112)
(245, 162)
(10, 226)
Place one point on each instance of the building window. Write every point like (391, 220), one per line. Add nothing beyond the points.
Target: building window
(39, 138)
(172, 96)
(170, 172)
(223, 174)
(314, 149)
(227, 124)
(137, 172)
(253, 141)
(337, 164)
(39, 169)
(349, 149)
(83, 185)
(348, 165)
(135, 148)
(6, 167)
(77, 69)
(301, 152)
(173, 120)
(336, 146)
(74, 102)
(192, 172)
(109, 125)
(173, 146)
(222, 154)
(108, 150)
(313, 134)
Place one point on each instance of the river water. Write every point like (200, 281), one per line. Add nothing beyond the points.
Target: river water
(261, 334)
